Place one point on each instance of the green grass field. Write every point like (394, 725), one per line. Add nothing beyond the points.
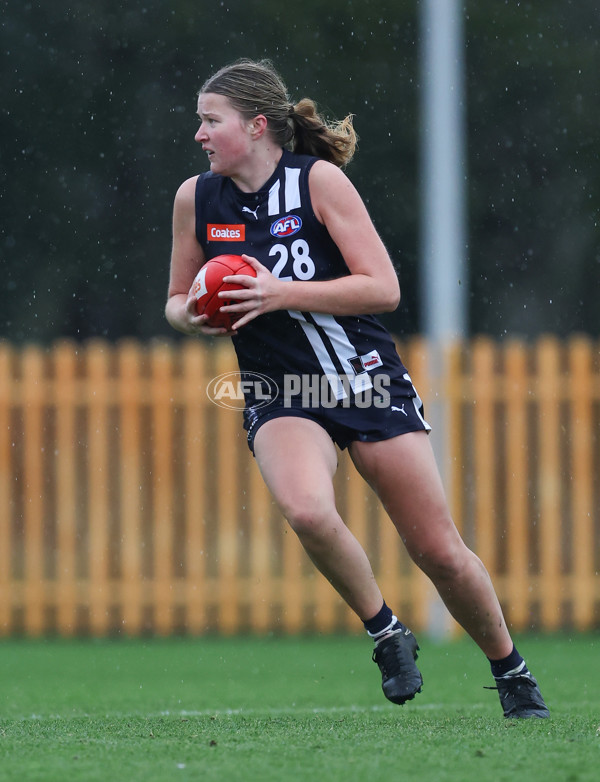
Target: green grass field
(284, 710)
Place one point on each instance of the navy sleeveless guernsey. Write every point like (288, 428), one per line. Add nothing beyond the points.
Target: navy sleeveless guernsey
(277, 225)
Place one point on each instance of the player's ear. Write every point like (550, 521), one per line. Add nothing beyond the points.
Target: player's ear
(258, 125)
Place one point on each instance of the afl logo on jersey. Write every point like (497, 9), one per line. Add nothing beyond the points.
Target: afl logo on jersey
(286, 226)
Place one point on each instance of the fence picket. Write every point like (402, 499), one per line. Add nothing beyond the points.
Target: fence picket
(34, 507)
(549, 477)
(514, 424)
(7, 480)
(193, 451)
(65, 395)
(131, 498)
(163, 493)
(581, 480)
(226, 475)
(261, 570)
(484, 451)
(98, 485)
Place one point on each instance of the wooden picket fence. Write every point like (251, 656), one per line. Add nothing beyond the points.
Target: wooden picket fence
(129, 502)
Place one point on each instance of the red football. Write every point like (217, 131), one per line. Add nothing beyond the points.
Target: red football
(208, 283)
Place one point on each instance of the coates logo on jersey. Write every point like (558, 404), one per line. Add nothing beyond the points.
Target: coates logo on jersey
(286, 226)
(225, 233)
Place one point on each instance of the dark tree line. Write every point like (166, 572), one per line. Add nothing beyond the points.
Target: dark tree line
(96, 133)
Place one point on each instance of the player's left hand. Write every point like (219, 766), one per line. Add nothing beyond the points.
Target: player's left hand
(259, 294)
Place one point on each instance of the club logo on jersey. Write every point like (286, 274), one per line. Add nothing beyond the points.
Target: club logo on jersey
(225, 233)
(367, 362)
(286, 226)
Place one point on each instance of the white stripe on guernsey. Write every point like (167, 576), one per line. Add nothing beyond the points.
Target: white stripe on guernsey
(344, 350)
(417, 402)
(292, 189)
(342, 347)
(274, 199)
(322, 355)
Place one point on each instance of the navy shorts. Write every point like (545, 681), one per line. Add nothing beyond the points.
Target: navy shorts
(347, 424)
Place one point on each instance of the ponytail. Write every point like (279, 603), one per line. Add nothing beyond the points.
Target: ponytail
(335, 142)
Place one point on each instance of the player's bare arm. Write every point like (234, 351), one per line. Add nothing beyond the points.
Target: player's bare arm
(338, 205)
(186, 258)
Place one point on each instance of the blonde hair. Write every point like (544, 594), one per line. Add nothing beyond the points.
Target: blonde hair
(254, 87)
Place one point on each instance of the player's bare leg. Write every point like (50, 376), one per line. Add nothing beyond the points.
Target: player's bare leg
(403, 472)
(298, 460)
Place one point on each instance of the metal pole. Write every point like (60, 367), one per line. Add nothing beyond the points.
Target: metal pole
(443, 233)
(443, 277)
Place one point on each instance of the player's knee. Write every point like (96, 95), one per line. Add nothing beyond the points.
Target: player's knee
(443, 564)
(308, 516)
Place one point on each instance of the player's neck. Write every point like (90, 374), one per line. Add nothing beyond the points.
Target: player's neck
(259, 169)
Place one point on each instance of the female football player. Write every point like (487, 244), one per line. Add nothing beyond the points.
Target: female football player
(276, 194)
